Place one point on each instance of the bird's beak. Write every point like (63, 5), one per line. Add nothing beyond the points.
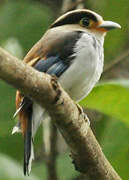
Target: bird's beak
(109, 25)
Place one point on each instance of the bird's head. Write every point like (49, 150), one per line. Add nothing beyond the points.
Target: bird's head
(85, 20)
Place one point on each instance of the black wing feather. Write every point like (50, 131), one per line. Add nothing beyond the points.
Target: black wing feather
(44, 65)
(28, 141)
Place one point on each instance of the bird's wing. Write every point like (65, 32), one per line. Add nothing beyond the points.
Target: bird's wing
(53, 66)
(51, 55)
(54, 59)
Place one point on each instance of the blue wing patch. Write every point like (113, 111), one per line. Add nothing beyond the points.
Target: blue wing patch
(53, 65)
(44, 65)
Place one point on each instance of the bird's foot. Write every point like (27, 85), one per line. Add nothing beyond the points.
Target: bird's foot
(83, 114)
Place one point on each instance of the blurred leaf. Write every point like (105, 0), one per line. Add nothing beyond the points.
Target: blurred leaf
(11, 170)
(13, 46)
(115, 145)
(111, 98)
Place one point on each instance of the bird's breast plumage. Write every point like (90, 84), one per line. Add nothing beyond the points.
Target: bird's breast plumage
(79, 79)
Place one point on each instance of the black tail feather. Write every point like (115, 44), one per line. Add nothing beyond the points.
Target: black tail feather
(28, 148)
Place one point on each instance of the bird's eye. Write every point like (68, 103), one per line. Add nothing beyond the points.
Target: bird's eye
(85, 22)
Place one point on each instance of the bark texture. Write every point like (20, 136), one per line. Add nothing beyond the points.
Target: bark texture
(86, 153)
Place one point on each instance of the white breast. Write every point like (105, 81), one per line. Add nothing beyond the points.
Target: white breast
(86, 69)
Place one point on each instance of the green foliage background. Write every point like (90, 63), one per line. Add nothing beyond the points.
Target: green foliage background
(26, 21)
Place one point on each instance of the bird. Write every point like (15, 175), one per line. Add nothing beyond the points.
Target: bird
(72, 50)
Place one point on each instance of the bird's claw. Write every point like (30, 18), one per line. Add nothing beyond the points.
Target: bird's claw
(83, 114)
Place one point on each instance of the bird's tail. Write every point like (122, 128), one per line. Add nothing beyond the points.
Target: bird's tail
(28, 149)
(32, 115)
(34, 122)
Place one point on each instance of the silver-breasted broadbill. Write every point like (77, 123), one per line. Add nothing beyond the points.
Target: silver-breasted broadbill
(72, 50)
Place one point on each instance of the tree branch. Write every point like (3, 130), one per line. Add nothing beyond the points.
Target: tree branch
(68, 117)
(52, 155)
(68, 5)
(116, 61)
(50, 147)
